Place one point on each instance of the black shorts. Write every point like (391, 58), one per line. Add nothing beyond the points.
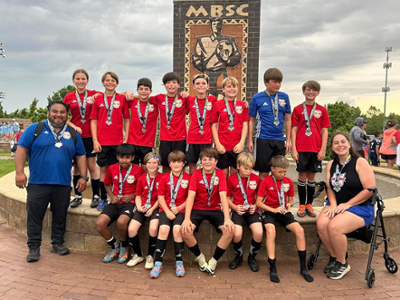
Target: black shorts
(264, 151)
(171, 223)
(308, 162)
(88, 144)
(114, 210)
(141, 218)
(388, 156)
(166, 147)
(245, 218)
(271, 218)
(140, 153)
(215, 217)
(107, 156)
(226, 160)
(193, 151)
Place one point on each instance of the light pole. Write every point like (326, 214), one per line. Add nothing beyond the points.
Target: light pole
(386, 89)
(2, 51)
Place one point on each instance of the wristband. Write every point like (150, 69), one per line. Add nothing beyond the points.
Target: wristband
(83, 177)
(94, 139)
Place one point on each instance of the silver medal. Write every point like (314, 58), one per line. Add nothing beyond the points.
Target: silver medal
(276, 122)
(168, 127)
(231, 128)
(119, 196)
(108, 122)
(83, 121)
(147, 205)
(246, 206)
(172, 205)
(143, 129)
(308, 132)
(201, 131)
(58, 144)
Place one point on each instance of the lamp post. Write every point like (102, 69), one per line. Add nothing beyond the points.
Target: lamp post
(385, 89)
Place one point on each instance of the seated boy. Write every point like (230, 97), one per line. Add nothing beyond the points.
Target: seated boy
(242, 191)
(278, 193)
(146, 208)
(207, 191)
(120, 184)
(172, 194)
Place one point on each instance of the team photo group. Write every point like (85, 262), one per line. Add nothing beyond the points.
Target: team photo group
(203, 170)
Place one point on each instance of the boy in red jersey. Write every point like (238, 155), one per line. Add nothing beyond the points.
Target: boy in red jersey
(207, 193)
(242, 191)
(109, 112)
(310, 122)
(278, 192)
(143, 125)
(200, 109)
(123, 177)
(229, 126)
(172, 194)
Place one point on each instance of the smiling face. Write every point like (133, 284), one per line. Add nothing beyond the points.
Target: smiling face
(200, 86)
(152, 166)
(272, 86)
(125, 160)
(341, 145)
(176, 167)
(144, 92)
(110, 83)
(171, 87)
(57, 115)
(209, 164)
(80, 81)
(230, 91)
(310, 94)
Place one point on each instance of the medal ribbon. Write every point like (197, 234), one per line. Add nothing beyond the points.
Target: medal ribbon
(170, 114)
(337, 174)
(281, 194)
(308, 118)
(208, 187)
(109, 107)
(201, 119)
(143, 120)
(122, 181)
(244, 192)
(231, 115)
(57, 136)
(275, 108)
(148, 179)
(174, 190)
(82, 107)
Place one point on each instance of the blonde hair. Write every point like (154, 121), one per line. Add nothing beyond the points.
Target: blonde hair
(246, 160)
(152, 155)
(230, 80)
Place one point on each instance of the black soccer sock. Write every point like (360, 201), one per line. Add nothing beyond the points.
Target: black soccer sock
(273, 273)
(135, 244)
(310, 192)
(103, 192)
(95, 186)
(332, 259)
(113, 243)
(152, 245)
(238, 248)
(125, 244)
(75, 183)
(303, 268)
(178, 247)
(160, 249)
(301, 189)
(195, 250)
(218, 253)
(254, 247)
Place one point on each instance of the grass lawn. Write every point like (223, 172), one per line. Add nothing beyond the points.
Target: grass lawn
(5, 154)
(6, 166)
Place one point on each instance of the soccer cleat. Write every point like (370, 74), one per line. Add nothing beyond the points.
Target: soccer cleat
(60, 249)
(95, 201)
(301, 212)
(212, 265)
(102, 204)
(136, 259)
(149, 262)
(123, 255)
(329, 266)
(252, 263)
(76, 201)
(339, 270)
(201, 260)
(180, 270)
(113, 254)
(310, 211)
(33, 255)
(236, 262)
(157, 269)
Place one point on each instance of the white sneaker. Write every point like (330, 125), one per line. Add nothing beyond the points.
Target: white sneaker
(201, 260)
(212, 265)
(149, 262)
(134, 261)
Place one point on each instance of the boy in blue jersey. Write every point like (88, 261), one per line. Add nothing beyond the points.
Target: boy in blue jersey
(272, 110)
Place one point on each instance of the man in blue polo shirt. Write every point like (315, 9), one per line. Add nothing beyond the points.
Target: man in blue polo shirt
(50, 163)
(272, 111)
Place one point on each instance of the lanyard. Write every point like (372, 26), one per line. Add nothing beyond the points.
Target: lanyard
(148, 179)
(170, 113)
(244, 192)
(201, 119)
(57, 136)
(231, 115)
(143, 120)
(307, 118)
(122, 181)
(82, 106)
(335, 180)
(174, 190)
(275, 108)
(109, 107)
(281, 194)
(208, 187)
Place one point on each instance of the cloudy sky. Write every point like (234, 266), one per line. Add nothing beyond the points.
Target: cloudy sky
(340, 43)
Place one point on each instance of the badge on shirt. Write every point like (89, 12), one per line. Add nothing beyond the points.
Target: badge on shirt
(286, 187)
(90, 100)
(117, 104)
(184, 183)
(317, 114)
(66, 135)
(253, 185)
(216, 180)
(209, 106)
(282, 102)
(239, 109)
(151, 107)
(178, 103)
(130, 179)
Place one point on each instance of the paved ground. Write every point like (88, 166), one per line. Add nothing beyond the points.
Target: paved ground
(82, 275)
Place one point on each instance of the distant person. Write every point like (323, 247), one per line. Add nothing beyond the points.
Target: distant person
(396, 140)
(15, 127)
(374, 153)
(388, 149)
(357, 136)
(18, 136)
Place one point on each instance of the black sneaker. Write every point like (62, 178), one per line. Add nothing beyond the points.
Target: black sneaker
(329, 266)
(60, 249)
(76, 202)
(33, 255)
(236, 262)
(95, 201)
(252, 263)
(339, 270)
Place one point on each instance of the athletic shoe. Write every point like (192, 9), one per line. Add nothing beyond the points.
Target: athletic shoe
(157, 269)
(95, 201)
(102, 204)
(123, 255)
(201, 260)
(76, 201)
(301, 212)
(212, 265)
(310, 211)
(180, 270)
(60, 249)
(251, 260)
(149, 262)
(33, 255)
(329, 266)
(113, 254)
(339, 270)
(136, 259)
(236, 262)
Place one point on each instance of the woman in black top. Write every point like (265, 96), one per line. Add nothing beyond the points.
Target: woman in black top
(349, 208)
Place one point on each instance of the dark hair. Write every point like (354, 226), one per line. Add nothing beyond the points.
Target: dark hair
(51, 103)
(176, 155)
(144, 82)
(314, 85)
(112, 74)
(351, 151)
(273, 74)
(210, 153)
(201, 75)
(390, 123)
(79, 71)
(377, 133)
(125, 150)
(170, 76)
(279, 161)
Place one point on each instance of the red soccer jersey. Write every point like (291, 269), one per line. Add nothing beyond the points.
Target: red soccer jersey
(194, 136)
(110, 134)
(72, 102)
(136, 135)
(177, 131)
(129, 186)
(201, 198)
(269, 190)
(164, 189)
(251, 189)
(18, 136)
(142, 188)
(319, 120)
(228, 138)
(397, 136)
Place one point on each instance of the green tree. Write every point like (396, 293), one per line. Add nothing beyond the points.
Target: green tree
(342, 116)
(60, 94)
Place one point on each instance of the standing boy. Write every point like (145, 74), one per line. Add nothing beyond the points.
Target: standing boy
(310, 123)
(374, 154)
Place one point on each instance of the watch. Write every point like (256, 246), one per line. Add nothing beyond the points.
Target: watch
(86, 178)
